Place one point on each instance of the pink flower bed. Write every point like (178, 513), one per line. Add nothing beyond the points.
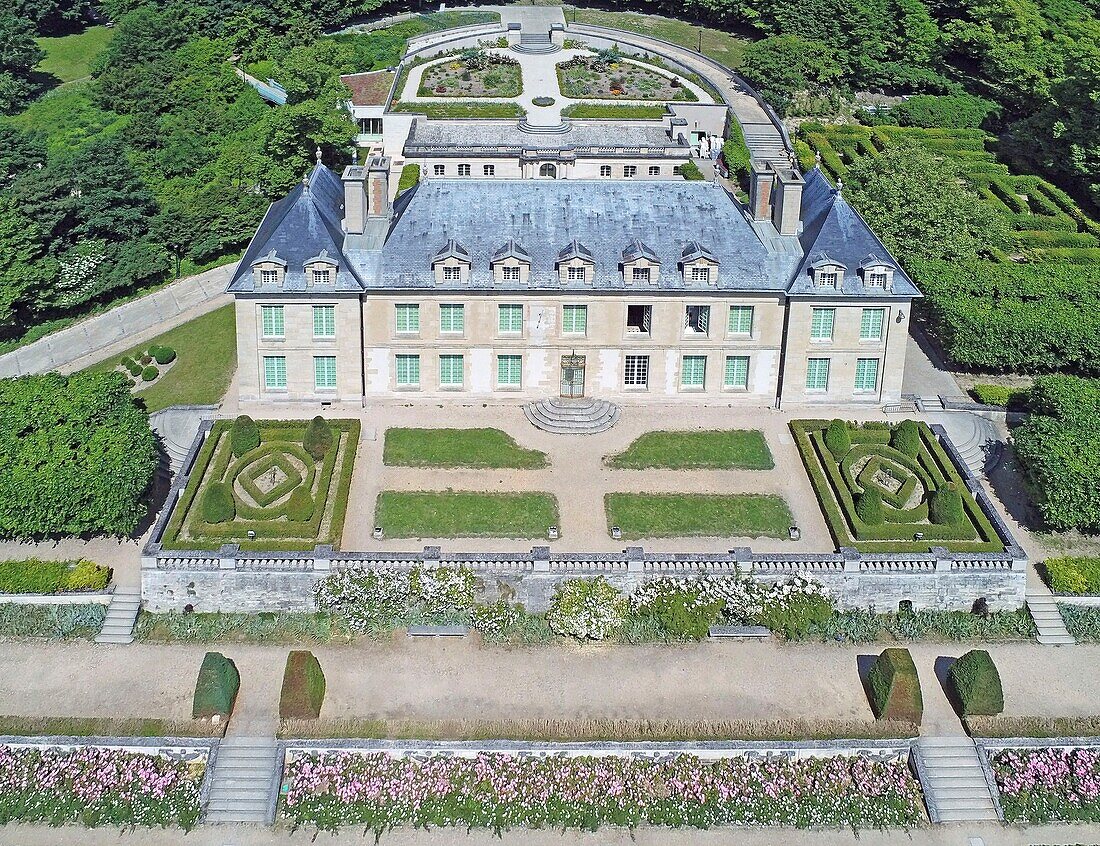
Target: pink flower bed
(1048, 785)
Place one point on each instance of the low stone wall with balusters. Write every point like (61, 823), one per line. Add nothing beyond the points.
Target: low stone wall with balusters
(232, 580)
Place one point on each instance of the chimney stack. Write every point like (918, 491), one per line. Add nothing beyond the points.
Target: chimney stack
(355, 199)
(787, 201)
(761, 185)
(378, 188)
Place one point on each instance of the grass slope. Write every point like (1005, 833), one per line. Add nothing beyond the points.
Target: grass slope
(720, 46)
(480, 448)
(206, 350)
(694, 515)
(70, 57)
(464, 514)
(735, 449)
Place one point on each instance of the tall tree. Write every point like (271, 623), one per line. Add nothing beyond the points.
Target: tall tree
(19, 53)
(112, 201)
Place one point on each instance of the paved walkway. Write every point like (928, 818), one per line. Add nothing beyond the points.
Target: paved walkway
(440, 679)
(115, 331)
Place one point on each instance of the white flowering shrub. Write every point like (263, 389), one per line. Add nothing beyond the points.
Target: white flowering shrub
(443, 590)
(789, 606)
(496, 621)
(587, 609)
(78, 273)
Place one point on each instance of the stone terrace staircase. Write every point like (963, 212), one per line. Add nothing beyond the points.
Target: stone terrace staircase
(955, 788)
(535, 42)
(241, 788)
(118, 625)
(1048, 620)
(766, 144)
(586, 416)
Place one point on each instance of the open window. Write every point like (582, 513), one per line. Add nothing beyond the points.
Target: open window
(638, 319)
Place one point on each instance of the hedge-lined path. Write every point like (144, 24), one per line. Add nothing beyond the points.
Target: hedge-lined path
(445, 679)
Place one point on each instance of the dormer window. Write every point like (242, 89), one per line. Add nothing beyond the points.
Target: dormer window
(576, 274)
(827, 278)
(321, 269)
(576, 263)
(452, 263)
(452, 274)
(268, 271)
(700, 274)
(269, 277)
(827, 272)
(640, 264)
(639, 274)
(698, 264)
(510, 274)
(510, 263)
(877, 273)
(322, 277)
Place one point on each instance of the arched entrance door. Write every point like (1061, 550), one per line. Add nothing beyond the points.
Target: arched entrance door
(548, 171)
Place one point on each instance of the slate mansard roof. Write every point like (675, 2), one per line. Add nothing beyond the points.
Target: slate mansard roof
(543, 222)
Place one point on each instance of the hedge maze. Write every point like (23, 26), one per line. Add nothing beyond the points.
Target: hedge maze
(1047, 223)
(286, 482)
(880, 486)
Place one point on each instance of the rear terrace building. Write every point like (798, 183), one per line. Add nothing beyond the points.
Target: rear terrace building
(617, 288)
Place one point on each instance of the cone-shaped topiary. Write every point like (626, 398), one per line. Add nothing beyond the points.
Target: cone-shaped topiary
(318, 438)
(217, 503)
(906, 438)
(244, 435)
(869, 507)
(946, 507)
(838, 439)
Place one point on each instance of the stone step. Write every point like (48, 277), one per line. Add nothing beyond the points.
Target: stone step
(953, 780)
(122, 612)
(1048, 620)
(585, 417)
(242, 782)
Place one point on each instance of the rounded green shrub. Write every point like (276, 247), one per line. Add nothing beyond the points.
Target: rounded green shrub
(946, 507)
(135, 370)
(318, 438)
(682, 615)
(869, 507)
(976, 684)
(149, 373)
(838, 439)
(906, 438)
(163, 355)
(587, 609)
(217, 503)
(244, 435)
(127, 362)
(299, 507)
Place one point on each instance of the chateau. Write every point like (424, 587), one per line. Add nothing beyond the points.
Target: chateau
(565, 260)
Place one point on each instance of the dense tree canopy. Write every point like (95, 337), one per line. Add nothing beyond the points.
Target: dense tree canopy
(920, 208)
(77, 456)
(19, 53)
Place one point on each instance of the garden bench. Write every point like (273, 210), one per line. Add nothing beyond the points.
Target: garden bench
(438, 631)
(740, 632)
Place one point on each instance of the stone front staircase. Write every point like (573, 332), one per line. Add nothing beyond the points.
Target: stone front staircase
(118, 625)
(243, 782)
(1048, 620)
(955, 788)
(535, 42)
(572, 416)
(766, 144)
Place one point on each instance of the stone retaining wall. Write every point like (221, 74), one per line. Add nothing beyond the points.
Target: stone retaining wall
(230, 579)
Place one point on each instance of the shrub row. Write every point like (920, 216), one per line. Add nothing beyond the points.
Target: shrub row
(35, 576)
(1073, 575)
(1001, 395)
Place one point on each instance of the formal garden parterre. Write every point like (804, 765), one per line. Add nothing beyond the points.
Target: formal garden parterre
(891, 488)
(501, 791)
(267, 484)
(608, 76)
(473, 73)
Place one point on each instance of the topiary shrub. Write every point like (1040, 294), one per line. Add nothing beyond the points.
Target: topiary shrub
(895, 688)
(145, 358)
(976, 684)
(128, 362)
(838, 439)
(869, 507)
(216, 688)
(946, 506)
(299, 507)
(690, 171)
(163, 355)
(244, 435)
(303, 689)
(318, 438)
(135, 370)
(906, 438)
(149, 373)
(587, 609)
(217, 503)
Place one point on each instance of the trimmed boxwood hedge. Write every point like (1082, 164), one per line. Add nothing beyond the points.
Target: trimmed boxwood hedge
(303, 690)
(974, 681)
(895, 687)
(216, 688)
(212, 463)
(833, 485)
(244, 435)
(33, 575)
